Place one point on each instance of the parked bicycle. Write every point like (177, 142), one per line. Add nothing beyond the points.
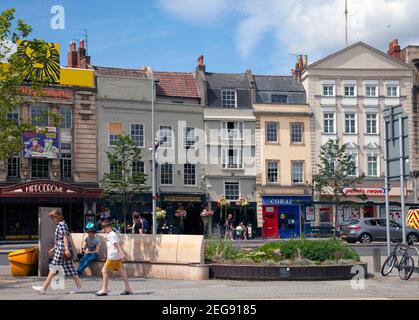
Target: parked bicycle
(405, 266)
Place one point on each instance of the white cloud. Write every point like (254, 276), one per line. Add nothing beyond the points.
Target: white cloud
(313, 27)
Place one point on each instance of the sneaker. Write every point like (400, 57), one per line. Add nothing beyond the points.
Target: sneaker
(40, 289)
(101, 294)
(126, 293)
(75, 291)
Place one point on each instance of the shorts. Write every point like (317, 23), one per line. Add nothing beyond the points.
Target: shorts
(113, 265)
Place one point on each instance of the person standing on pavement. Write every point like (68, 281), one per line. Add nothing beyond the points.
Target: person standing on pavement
(62, 254)
(90, 250)
(115, 256)
(145, 227)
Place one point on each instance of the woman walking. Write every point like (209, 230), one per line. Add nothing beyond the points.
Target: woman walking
(63, 254)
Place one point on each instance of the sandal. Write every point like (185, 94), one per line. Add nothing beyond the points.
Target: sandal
(127, 293)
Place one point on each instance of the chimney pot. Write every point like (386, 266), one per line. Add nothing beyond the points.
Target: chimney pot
(201, 60)
(82, 44)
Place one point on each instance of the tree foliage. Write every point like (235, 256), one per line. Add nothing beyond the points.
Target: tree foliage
(13, 74)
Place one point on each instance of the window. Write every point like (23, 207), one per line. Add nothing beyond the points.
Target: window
(166, 137)
(40, 169)
(229, 98)
(297, 130)
(371, 91)
(232, 158)
(232, 130)
(328, 90)
(137, 134)
(392, 91)
(372, 163)
(13, 116)
(115, 129)
(189, 138)
(189, 174)
(329, 122)
(166, 174)
(116, 168)
(231, 190)
(65, 161)
(272, 129)
(39, 115)
(353, 172)
(349, 90)
(297, 171)
(66, 114)
(279, 98)
(372, 127)
(350, 123)
(137, 168)
(13, 167)
(272, 171)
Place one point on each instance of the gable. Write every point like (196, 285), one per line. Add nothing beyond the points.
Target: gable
(359, 56)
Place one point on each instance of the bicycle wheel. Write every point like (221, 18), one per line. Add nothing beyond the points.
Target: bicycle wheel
(406, 267)
(388, 265)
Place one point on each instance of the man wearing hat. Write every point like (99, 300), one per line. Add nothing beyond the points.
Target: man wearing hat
(90, 250)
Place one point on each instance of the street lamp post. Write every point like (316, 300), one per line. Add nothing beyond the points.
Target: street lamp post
(153, 146)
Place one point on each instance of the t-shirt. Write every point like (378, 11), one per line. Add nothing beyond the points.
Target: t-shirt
(145, 226)
(92, 243)
(111, 239)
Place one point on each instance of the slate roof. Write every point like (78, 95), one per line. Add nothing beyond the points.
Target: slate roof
(227, 80)
(176, 84)
(120, 72)
(278, 83)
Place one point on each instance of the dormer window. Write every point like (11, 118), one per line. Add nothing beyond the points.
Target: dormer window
(229, 98)
(279, 98)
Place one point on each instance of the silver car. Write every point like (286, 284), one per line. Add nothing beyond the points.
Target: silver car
(374, 229)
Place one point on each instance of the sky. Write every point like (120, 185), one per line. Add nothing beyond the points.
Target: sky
(234, 35)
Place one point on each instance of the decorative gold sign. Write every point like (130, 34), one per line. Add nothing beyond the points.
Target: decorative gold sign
(48, 71)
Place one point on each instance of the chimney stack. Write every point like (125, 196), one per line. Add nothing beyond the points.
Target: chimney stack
(394, 49)
(201, 65)
(305, 61)
(72, 58)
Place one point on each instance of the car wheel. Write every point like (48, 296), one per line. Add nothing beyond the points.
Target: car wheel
(365, 238)
(412, 238)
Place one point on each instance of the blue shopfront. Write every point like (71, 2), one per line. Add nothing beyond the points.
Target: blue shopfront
(284, 216)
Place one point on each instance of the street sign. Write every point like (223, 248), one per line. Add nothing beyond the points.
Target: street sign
(393, 117)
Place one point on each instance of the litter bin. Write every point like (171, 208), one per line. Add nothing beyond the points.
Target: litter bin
(24, 262)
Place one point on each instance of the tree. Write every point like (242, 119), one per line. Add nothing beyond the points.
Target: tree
(13, 73)
(336, 172)
(124, 180)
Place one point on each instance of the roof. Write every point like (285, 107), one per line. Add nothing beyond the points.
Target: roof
(120, 72)
(176, 84)
(278, 83)
(227, 80)
(360, 43)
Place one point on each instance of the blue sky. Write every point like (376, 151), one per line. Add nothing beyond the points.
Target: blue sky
(234, 35)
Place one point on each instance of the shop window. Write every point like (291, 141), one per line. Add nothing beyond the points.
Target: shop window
(40, 169)
(66, 161)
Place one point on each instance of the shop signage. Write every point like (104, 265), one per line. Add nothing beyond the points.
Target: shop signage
(310, 216)
(182, 198)
(48, 93)
(285, 201)
(42, 188)
(364, 191)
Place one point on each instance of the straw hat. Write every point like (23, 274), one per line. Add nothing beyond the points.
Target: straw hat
(56, 214)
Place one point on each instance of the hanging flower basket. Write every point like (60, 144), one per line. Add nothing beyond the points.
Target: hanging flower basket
(207, 213)
(242, 202)
(180, 213)
(160, 214)
(223, 202)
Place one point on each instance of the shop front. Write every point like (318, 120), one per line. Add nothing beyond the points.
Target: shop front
(21, 204)
(284, 216)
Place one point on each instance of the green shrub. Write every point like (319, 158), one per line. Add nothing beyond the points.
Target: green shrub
(216, 250)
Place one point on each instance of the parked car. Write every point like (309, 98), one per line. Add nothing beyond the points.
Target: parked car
(370, 229)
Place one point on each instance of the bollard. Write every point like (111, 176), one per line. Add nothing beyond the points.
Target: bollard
(376, 258)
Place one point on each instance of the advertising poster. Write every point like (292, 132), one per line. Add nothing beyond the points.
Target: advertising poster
(41, 145)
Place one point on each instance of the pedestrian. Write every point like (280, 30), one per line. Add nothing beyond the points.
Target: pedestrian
(115, 256)
(145, 226)
(229, 227)
(136, 223)
(90, 250)
(62, 255)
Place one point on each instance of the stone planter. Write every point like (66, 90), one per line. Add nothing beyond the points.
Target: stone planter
(288, 273)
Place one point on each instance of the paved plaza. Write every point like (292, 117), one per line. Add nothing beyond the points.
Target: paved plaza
(152, 289)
